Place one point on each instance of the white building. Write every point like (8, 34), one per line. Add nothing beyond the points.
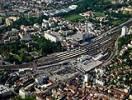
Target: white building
(85, 78)
(22, 93)
(53, 36)
(130, 30)
(73, 7)
(99, 82)
(124, 31)
(25, 36)
(48, 1)
(5, 92)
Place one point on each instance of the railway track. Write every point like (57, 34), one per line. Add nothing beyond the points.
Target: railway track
(97, 45)
(93, 49)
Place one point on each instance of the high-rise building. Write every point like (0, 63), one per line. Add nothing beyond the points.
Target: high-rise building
(124, 31)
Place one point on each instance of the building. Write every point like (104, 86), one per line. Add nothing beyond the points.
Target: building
(119, 1)
(23, 93)
(5, 93)
(49, 1)
(127, 10)
(42, 80)
(73, 7)
(130, 30)
(87, 65)
(124, 31)
(10, 20)
(53, 36)
(25, 36)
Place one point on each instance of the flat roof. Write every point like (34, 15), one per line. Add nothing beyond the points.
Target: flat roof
(89, 66)
(78, 36)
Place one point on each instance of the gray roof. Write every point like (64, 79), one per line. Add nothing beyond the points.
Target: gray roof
(85, 67)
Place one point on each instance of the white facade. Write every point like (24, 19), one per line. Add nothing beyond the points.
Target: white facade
(130, 30)
(85, 78)
(25, 36)
(124, 31)
(48, 1)
(99, 82)
(22, 93)
(73, 7)
(53, 36)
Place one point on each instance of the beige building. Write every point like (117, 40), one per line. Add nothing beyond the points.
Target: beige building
(10, 20)
(119, 1)
(53, 36)
(127, 10)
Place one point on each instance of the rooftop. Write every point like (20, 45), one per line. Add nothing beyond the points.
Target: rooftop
(88, 65)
